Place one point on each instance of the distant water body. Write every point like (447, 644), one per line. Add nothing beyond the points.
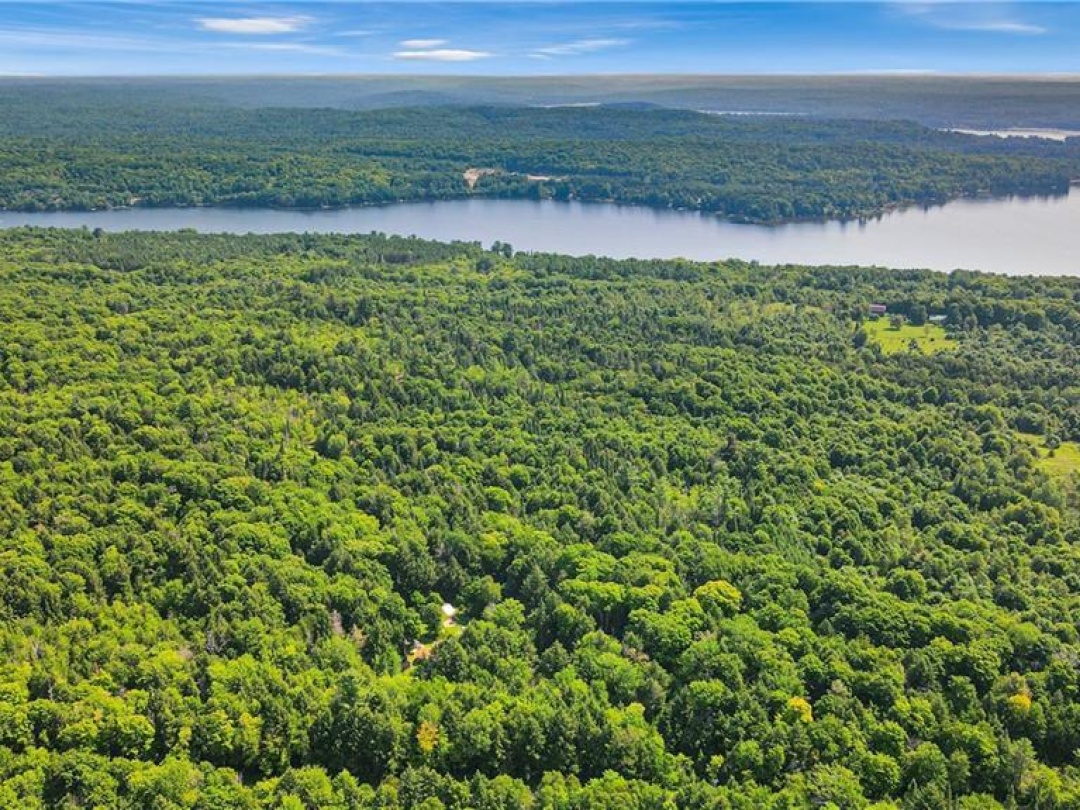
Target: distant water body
(1047, 134)
(1017, 236)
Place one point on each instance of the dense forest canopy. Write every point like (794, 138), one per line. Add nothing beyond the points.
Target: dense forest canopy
(713, 541)
(979, 102)
(67, 154)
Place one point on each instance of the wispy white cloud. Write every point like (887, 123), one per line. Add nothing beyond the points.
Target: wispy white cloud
(647, 25)
(992, 18)
(36, 38)
(1001, 27)
(421, 44)
(285, 47)
(441, 55)
(253, 25)
(579, 47)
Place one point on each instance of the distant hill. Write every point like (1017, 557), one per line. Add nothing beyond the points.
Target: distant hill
(975, 102)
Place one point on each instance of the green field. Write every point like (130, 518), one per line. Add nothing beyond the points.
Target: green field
(930, 338)
(1060, 463)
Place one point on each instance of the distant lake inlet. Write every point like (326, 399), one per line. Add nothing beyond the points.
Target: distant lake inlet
(1018, 132)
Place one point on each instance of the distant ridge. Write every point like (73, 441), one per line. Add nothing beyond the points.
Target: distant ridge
(973, 102)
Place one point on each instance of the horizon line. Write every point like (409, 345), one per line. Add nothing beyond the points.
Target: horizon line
(851, 74)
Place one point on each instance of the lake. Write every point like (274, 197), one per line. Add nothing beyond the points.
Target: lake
(1017, 132)
(1018, 236)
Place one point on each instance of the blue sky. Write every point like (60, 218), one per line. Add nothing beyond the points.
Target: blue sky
(537, 37)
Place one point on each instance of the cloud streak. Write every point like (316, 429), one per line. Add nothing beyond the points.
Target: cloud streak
(999, 27)
(258, 26)
(441, 55)
(87, 42)
(580, 47)
(990, 18)
(286, 47)
(421, 44)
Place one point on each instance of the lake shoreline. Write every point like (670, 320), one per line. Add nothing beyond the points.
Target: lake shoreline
(1043, 133)
(887, 209)
(1014, 236)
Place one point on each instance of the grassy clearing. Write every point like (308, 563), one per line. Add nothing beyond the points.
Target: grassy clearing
(1064, 462)
(930, 338)
(750, 311)
(448, 629)
(1060, 463)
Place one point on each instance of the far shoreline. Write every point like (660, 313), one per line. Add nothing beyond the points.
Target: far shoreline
(1046, 134)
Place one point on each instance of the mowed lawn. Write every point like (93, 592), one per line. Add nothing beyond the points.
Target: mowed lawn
(930, 338)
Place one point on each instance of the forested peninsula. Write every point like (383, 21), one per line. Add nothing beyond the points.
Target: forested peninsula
(60, 154)
(370, 522)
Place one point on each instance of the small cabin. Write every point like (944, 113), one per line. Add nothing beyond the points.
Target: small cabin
(877, 310)
(938, 320)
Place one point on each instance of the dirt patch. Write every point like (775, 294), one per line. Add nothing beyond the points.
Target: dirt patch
(472, 176)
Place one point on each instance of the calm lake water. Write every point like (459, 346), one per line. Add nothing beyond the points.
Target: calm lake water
(1018, 132)
(1019, 236)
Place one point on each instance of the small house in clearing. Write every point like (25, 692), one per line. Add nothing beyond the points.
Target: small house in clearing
(877, 310)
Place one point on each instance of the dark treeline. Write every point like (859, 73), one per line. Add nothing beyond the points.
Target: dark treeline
(979, 102)
(710, 546)
(67, 156)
